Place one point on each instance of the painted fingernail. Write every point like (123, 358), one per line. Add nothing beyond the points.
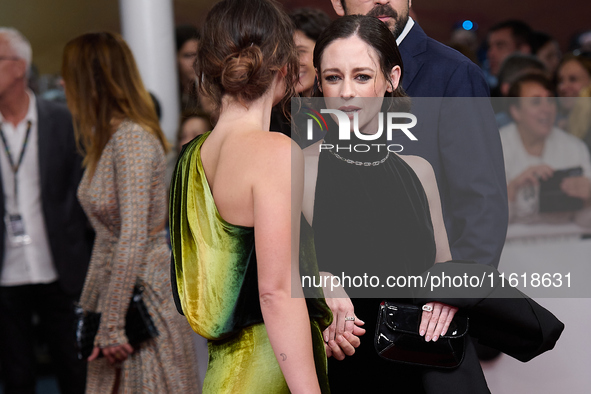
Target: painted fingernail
(428, 338)
(434, 338)
(326, 338)
(422, 332)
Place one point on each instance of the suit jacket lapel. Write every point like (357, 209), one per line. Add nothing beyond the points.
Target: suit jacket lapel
(44, 141)
(414, 44)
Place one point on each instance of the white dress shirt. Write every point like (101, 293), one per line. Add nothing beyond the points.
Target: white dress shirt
(32, 263)
(409, 24)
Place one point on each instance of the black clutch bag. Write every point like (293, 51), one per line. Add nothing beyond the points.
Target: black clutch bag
(139, 326)
(553, 199)
(397, 338)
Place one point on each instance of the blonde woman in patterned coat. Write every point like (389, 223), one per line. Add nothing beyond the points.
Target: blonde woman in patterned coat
(123, 194)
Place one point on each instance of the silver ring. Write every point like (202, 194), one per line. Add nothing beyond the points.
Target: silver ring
(349, 318)
(427, 308)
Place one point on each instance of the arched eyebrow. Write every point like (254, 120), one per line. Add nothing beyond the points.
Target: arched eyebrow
(356, 69)
(363, 69)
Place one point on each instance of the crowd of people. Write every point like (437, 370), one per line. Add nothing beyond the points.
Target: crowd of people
(544, 132)
(87, 219)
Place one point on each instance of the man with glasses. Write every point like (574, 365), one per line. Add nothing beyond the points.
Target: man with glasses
(45, 241)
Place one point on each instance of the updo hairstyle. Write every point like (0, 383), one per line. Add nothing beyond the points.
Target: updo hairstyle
(244, 44)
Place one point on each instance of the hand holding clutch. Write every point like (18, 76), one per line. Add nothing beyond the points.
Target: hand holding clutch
(435, 320)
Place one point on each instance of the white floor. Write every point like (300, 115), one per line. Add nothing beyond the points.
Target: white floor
(566, 368)
(200, 345)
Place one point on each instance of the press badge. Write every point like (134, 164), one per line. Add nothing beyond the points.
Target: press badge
(15, 229)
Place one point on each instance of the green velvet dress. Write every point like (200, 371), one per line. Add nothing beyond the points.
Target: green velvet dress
(215, 285)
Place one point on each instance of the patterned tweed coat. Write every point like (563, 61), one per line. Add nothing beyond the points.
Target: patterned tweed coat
(126, 203)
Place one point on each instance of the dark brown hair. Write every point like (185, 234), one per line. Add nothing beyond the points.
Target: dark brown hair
(534, 77)
(520, 31)
(310, 21)
(244, 44)
(186, 116)
(374, 33)
(184, 33)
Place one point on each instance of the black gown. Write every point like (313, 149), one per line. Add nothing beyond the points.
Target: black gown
(372, 220)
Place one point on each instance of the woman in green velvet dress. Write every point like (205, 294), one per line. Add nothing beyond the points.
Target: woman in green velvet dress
(235, 213)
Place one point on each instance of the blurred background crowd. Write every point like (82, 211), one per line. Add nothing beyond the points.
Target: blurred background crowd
(487, 33)
(526, 50)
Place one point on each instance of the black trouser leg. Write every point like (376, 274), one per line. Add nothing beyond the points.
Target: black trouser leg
(56, 311)
(16, 339)
(467, 378)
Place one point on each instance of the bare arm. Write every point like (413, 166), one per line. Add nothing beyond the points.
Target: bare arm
(311, 157)
(276, 222)
(342, 336)
(436, 321)
(426, 175)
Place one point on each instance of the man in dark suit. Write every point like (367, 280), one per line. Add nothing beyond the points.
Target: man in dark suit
(458, 136)
(45, 239)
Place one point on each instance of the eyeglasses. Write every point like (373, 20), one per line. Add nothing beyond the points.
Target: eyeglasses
(9, 58)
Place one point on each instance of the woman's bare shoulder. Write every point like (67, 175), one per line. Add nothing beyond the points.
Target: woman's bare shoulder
(263, 141)
(424, 172)
(419, 165)
(264, 151)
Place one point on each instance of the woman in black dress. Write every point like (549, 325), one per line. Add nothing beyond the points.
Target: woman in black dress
(374, 212)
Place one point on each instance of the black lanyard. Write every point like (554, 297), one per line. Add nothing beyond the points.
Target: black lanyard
(20, 158)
